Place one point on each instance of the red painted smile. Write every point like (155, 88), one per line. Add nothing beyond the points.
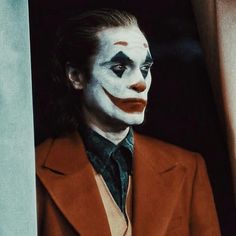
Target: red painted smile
(129, 105)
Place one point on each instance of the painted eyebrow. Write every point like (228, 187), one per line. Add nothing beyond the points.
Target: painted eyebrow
(122, 43)
(120, 57)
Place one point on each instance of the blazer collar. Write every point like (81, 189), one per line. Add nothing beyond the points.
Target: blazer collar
(70, 169)
(65, 155)
(157, 180)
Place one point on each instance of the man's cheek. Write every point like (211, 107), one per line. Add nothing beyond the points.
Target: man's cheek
(114, 87)
(148, 82)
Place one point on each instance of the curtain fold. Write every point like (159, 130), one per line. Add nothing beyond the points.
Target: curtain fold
(216, 21)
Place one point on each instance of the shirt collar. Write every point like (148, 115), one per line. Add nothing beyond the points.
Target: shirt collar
(102, 149)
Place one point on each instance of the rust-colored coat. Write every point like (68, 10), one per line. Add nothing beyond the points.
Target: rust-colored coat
(171, 191)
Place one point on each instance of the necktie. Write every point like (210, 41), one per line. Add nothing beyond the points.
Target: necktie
(122, 170)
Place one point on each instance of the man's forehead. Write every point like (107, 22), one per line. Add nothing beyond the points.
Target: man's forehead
(130, 36)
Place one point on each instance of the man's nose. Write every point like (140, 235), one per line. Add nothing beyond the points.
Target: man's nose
(138, 87)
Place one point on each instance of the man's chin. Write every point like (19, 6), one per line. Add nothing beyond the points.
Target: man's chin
(134, 119)
(123, 120)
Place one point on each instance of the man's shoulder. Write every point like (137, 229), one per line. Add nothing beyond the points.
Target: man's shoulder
(156, 149)
(42, 149)
(58, 145)
(44, 145)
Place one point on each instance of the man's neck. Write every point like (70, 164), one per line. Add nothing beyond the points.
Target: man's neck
(114, 137)
(114, 133)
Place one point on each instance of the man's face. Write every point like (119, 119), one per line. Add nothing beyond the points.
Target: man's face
(120, 77)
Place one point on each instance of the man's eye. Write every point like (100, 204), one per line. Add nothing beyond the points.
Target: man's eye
(144, 70)
(145, 67)
(118, 69)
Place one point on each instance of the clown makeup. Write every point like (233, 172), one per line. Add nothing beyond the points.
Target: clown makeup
(120, 77)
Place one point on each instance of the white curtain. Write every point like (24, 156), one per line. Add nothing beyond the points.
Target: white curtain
(17, 174)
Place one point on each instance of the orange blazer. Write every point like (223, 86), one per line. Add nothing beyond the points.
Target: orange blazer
(171, 191)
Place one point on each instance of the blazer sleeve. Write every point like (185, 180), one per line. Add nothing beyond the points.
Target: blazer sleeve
(203, 216)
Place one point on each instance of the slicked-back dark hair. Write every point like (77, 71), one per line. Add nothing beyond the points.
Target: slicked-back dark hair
(76, 42)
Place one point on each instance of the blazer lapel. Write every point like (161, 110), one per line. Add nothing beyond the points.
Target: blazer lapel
(157, 182)
(68, 177)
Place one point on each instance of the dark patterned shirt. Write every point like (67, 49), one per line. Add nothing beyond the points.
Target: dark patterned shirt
(113, 162)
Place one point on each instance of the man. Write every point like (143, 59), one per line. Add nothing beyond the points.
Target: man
(96, 176)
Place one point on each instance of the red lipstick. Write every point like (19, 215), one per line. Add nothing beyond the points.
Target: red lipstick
(129, 105)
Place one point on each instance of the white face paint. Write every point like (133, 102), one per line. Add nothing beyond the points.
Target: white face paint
(120, 77)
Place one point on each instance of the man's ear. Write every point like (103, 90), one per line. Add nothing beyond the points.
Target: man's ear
(76, 78)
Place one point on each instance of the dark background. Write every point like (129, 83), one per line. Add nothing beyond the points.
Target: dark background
(181, 106)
